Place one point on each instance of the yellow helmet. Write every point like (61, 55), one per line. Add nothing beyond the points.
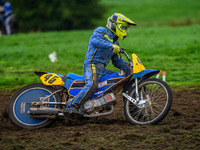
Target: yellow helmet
(119, 24)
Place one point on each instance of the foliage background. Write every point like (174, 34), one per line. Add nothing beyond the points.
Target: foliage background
(48, 15)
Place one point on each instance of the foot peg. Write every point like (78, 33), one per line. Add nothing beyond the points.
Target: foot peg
(72, 111)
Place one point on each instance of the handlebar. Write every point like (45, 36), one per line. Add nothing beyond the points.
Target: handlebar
(122, 50)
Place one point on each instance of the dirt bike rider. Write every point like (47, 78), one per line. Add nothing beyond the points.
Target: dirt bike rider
(103, 47)
(5, 15)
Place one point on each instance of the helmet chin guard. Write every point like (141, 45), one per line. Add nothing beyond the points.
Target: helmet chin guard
(119, 24)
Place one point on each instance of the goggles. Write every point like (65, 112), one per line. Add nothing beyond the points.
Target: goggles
(123, 27)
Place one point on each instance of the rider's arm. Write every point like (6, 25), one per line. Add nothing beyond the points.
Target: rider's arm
(118, 62)
(97, 38)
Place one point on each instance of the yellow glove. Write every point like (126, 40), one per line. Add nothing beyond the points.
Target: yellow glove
(116, 48)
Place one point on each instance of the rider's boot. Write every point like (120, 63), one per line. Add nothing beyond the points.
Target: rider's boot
(72, 109)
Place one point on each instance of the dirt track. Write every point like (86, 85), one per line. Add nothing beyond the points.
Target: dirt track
(179, 130)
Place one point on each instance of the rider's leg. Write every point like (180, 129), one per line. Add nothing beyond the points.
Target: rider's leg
(106, 71)
(91, 86)
(7, 25)
(8, 29)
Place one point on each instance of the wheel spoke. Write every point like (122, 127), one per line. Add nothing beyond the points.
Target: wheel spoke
(156, 105)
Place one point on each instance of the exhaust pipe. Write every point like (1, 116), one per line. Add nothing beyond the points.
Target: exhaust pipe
(100, 114)
(48, 113)
(53, 113)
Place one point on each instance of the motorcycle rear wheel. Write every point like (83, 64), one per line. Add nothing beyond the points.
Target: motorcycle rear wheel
(157, 104)
(20, 105)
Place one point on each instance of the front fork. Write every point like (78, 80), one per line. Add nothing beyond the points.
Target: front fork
(134, 101)
(138, 101)
(141, 94)
(136, 89)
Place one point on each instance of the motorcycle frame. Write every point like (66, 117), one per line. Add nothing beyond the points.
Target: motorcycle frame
(132, 83)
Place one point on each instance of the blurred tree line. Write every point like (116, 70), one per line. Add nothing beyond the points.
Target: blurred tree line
(48, 15)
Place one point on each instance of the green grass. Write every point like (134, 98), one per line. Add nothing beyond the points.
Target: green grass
(158, 45)
(155, 12)
(175, 50)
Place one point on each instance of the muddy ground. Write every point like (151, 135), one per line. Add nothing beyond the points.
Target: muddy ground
(179, 130)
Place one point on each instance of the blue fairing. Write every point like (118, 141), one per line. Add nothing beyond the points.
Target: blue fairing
(71, 77)
(74, 83)
(145, 73)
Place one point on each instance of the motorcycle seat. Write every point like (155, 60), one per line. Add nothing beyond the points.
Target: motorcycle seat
(75, 76)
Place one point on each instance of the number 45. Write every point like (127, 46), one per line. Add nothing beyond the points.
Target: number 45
(53, 79)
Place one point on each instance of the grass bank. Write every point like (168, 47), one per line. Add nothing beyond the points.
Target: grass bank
(173, 49)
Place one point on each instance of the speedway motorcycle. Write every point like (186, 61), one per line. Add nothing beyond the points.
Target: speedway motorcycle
(146, 100)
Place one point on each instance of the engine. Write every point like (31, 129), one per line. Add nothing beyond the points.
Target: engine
(92, 105)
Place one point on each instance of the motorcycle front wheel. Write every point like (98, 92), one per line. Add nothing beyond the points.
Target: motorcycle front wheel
(20, 105)
(156, 96)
